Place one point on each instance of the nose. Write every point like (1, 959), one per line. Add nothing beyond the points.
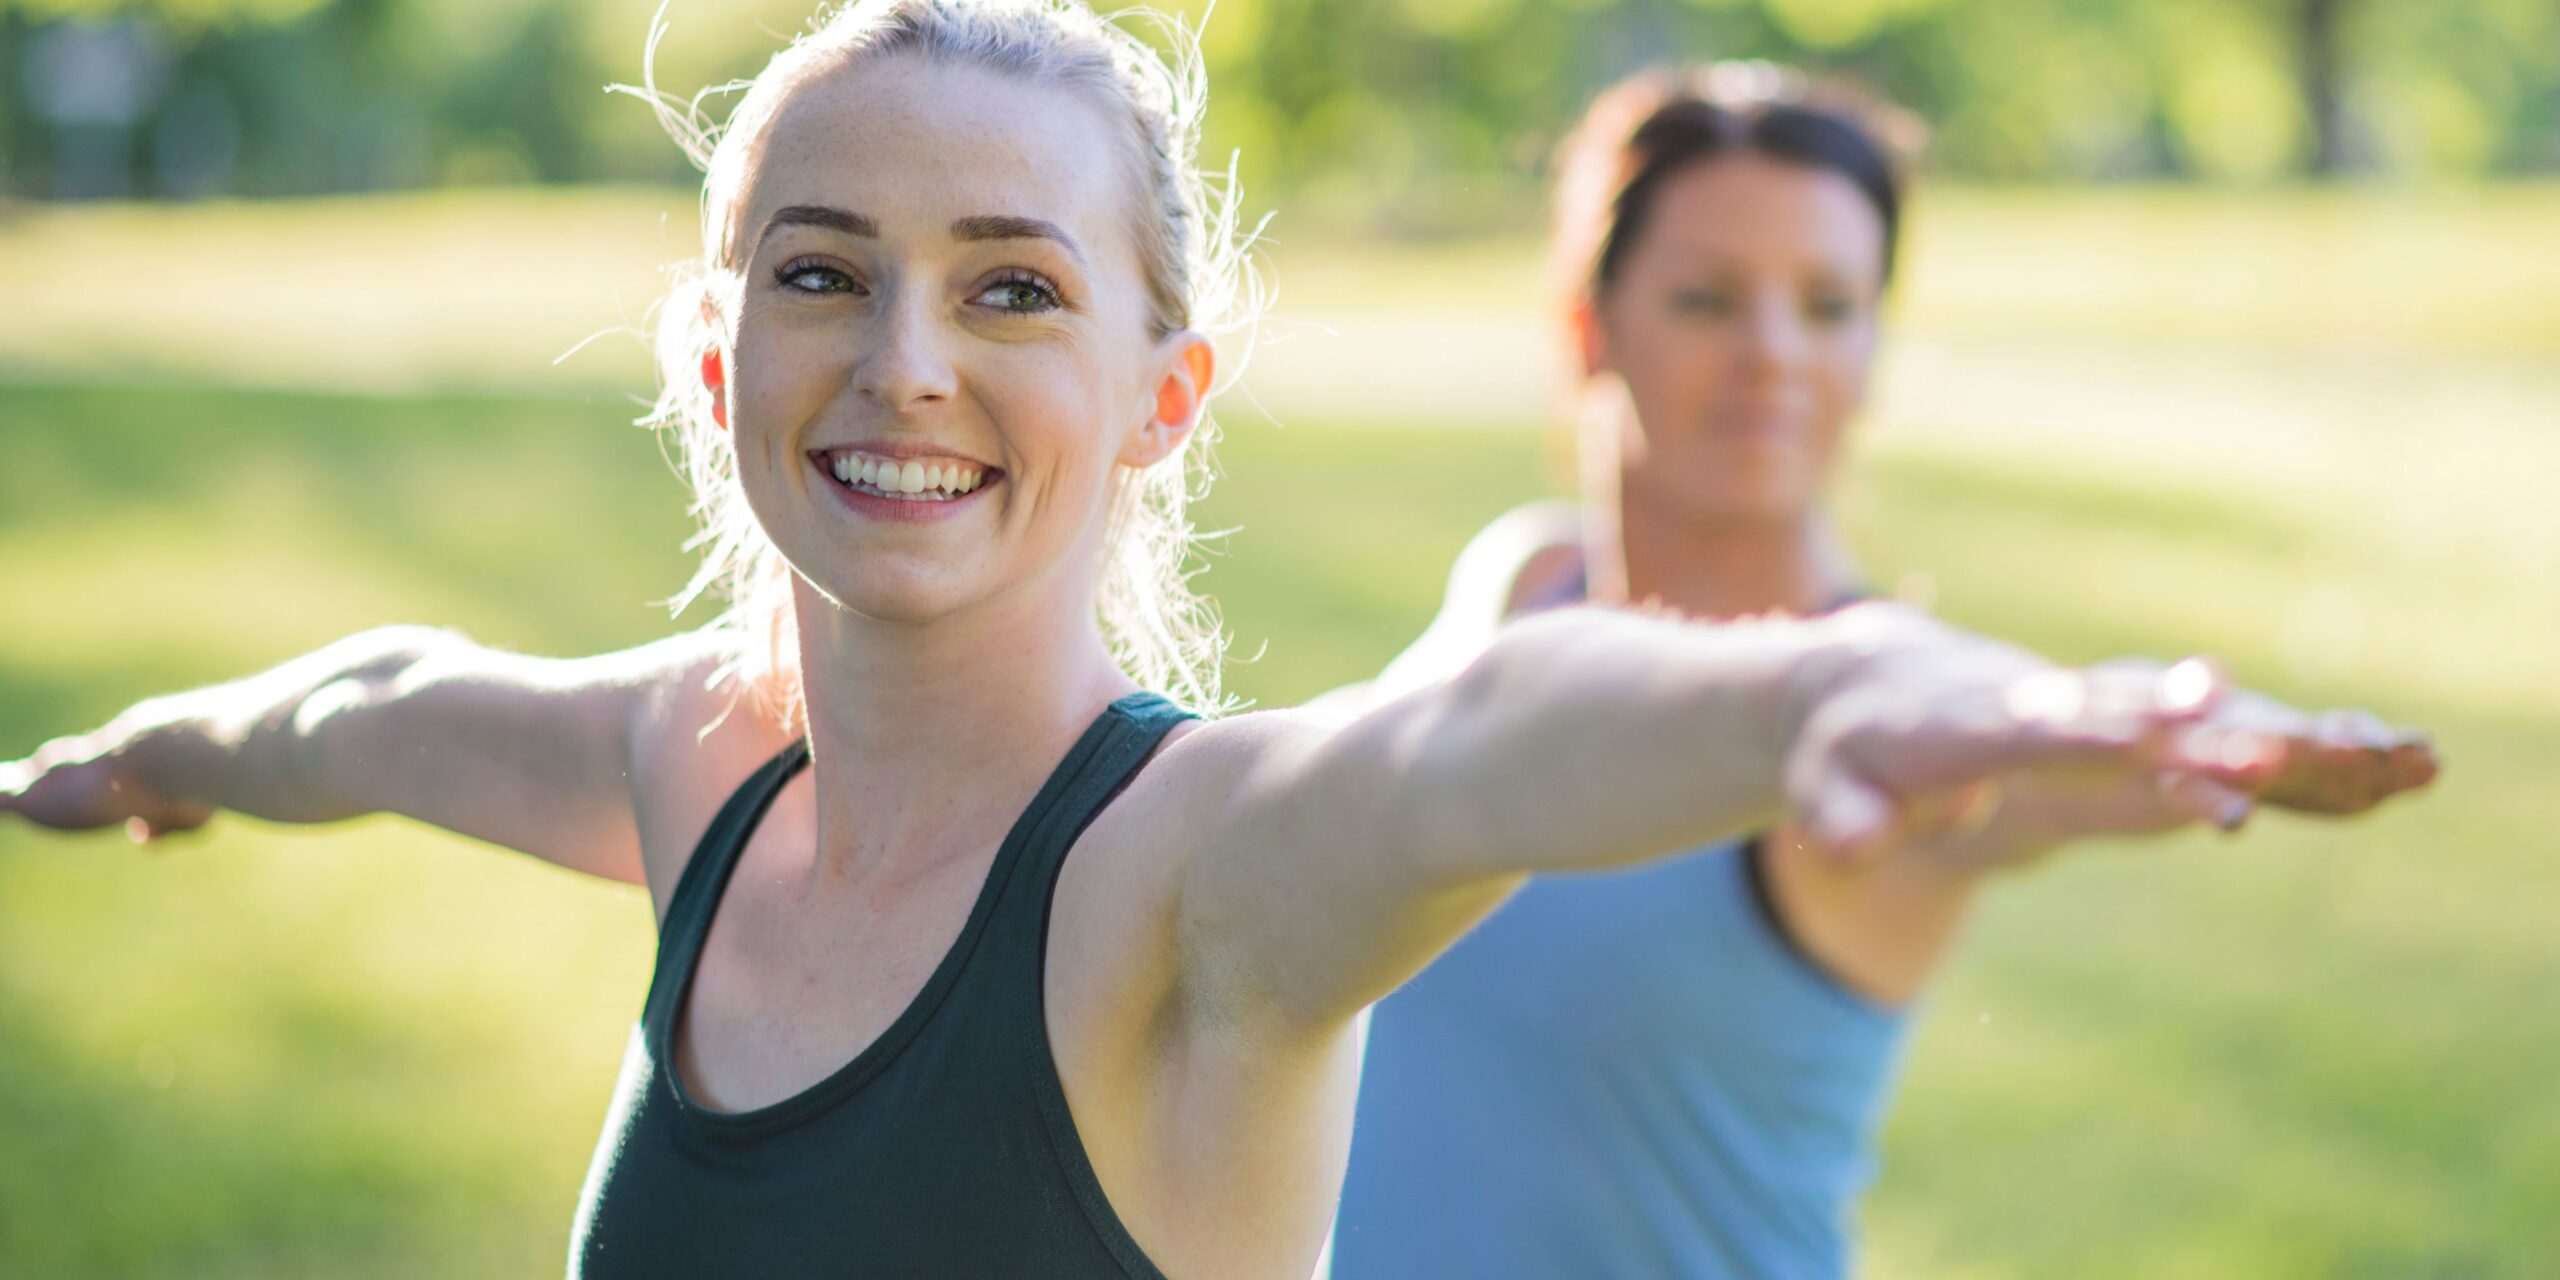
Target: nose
(1774, 342)
(905, 366)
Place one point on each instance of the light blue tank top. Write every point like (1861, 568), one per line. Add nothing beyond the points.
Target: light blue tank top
(1626, 1074)
(1623, 1074)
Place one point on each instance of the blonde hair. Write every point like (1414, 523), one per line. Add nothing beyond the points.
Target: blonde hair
(1200, 275)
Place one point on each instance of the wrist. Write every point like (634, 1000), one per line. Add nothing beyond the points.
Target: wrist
(1829, 654)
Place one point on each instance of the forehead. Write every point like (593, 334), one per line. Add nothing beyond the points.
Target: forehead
(914, 145)
(1757, 207)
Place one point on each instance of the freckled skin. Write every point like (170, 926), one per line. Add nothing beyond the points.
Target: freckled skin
(911, 335)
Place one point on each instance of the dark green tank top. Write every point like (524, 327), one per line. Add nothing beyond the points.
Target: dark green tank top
(943, 1149)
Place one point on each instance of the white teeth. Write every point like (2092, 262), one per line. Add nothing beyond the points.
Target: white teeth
(945, 479)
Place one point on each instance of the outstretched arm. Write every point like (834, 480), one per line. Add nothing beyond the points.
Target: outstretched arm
(1343, 858)
(530, 753)
(1882, 926)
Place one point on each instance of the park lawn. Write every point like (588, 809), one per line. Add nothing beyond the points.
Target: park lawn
(377, 1050)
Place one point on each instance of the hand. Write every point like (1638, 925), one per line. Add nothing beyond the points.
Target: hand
(2237, 751)
(105, 779)
(1913, 731)
(2339, 763)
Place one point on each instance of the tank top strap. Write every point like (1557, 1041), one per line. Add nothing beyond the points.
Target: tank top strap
(1093, 774)
(697, 891)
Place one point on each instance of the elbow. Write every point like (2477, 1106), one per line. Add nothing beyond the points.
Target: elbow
(362, 671)
(331, 719)
(385, 652)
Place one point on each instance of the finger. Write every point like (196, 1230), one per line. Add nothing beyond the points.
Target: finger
(2205, 800)
(2184, 690)
(2043, 715)
(2369, 732)
(2413, 765)
(1974, 807)
(2192, 687)
(1949, 815)
(2243, 758)
(2322, 776)
(1848, 819)
(2118, 703)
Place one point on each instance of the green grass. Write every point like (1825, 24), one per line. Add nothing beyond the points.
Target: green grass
(2314, 1053)
(375, 1050)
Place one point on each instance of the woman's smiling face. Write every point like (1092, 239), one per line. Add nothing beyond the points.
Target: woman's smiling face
(1742, 326)
(941, 348)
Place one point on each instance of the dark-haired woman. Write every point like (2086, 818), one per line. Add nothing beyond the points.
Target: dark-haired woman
(1679, 1069)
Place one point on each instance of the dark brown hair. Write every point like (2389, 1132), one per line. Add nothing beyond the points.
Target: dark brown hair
(1642, 130)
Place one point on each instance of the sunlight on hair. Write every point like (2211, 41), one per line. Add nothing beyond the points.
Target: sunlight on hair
(1202, 269)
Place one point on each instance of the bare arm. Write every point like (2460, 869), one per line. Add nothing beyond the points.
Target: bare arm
(1883, 926)
(534, 754)
(1344, 857)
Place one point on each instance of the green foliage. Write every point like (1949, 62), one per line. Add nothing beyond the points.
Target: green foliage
(179, 15)
(1413, 113)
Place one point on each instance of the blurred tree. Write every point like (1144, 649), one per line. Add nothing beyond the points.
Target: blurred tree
(1423, 112)
(2316, 33)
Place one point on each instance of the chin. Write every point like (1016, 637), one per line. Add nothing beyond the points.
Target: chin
(885, 590)
(1757, 506)
(1741, 496)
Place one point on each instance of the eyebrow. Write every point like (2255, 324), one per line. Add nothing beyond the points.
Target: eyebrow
(820, 215)
(1006, 227)
(985, 226)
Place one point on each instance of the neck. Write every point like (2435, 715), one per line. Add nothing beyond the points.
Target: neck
(1716, 569)
(927, 738)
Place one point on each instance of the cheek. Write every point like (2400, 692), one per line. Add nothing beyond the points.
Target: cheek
(1053, 414)
(779, 375)
(1673, 373)
(1840, 384)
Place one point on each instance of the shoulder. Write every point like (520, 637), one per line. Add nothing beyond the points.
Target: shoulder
(1512, 560)
(1523, 555)
(1203, 763)
(1206, 772)
(697, 732)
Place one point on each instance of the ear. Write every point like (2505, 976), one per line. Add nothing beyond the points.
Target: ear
(1590, 340)
(715, 379)
(1182, 392)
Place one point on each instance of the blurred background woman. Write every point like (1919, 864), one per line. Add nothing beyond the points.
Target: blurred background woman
(1681, 1070)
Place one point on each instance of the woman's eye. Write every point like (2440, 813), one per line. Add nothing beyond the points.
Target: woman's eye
(816, 277)
(1831, 310)
(1022, 294)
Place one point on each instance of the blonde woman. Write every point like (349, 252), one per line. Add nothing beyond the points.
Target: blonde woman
(978, 957)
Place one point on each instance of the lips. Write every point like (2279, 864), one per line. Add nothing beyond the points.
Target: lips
(919, 487)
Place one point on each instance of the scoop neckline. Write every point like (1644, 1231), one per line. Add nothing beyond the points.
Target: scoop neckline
(884, 1049)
